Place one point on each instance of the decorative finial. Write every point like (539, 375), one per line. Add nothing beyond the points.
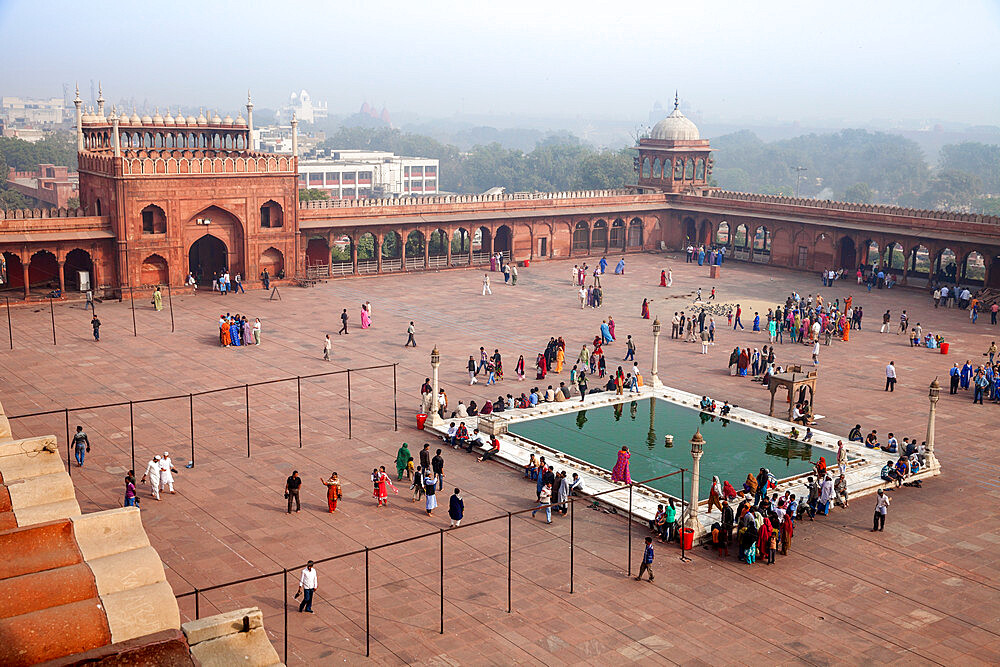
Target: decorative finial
(249, 100)
(294, 121)
(100, 92)
(77, 92)
(676, 100)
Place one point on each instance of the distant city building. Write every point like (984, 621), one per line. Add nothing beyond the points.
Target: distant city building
(357, 174)
(29, 134)
(49, 184)
(305, 110)
(29, 111)
(278, 139)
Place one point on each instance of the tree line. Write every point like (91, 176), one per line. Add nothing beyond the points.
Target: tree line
(57, 148)
(864, 167)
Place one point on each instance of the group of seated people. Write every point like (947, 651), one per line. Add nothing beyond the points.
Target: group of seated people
(802, 413)
(892, 446)
(459, 436)
(709, 405)
(899, 471)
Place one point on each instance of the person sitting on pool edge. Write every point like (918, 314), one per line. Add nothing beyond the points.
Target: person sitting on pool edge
(855, 434)
(871, 440)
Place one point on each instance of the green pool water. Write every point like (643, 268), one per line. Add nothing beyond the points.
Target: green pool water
(731, 449)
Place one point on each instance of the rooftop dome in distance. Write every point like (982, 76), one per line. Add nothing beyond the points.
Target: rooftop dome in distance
(215, 119)
(157, 118)
(169, 118)
(227, 121)
(240, 120)
(134, 119)
(147, 119)
(201, 117)
(191, 120)
(675, 127)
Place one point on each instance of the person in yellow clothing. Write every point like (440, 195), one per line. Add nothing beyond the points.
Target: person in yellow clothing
(560, 358)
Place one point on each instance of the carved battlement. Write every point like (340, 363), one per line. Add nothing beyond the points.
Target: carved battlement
(860, 208)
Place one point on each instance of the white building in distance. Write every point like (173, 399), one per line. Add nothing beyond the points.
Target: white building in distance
(27, 111)
(358, 174)
(305, 110)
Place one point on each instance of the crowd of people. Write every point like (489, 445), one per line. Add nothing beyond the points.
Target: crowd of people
(982, 379)
(237, 330)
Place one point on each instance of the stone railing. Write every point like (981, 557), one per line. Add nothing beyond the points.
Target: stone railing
(179, 161)
(859, 208)
(38, 213)
(461, 199)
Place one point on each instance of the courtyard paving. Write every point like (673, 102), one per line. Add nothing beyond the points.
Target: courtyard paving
(925, 591)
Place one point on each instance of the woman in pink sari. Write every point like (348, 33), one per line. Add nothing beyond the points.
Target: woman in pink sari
(621, 472)
(611, 326)
(366, 321)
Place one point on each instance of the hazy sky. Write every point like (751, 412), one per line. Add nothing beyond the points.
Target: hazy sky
(844, 62)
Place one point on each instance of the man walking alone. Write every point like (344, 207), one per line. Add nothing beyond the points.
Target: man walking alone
(343, 318)
(307, 586)
(410, 340)
(890, 376)
(647, 560)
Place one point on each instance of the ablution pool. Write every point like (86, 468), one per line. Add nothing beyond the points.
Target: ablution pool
(732, 449)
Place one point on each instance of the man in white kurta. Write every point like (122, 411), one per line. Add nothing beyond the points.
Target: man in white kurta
(153, 474)
(166, 476)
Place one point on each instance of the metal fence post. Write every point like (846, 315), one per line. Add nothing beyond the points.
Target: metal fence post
(683, 557)
(368, 629)
(52, 312)
(170, 300)
(629, 530)
(284, 575)
(10, 328)
(131, 430)
(298, 398)
(441, 533)
(69, 446)
(197, 607)
(509, 551)
(247, 388)
(395, 411)
(191, 408)
(349, 434)
(572, 516)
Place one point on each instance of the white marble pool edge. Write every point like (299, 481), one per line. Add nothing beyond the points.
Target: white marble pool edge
(863, 476)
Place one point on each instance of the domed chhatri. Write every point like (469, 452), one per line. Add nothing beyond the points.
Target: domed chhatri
(673, 157)
(675, 127)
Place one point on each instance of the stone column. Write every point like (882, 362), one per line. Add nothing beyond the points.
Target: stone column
(402, 251)
(697, 447)
(24, 267)
(295, 136)
(654, 379)
(433, 417)
(930, 460)
(62, 276)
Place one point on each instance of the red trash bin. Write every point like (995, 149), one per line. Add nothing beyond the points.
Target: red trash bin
(944, 348)
(526, 263)
(421, 418)
(688, 536)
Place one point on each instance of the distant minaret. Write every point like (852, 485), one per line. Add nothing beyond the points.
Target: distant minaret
(295, 136)
(100, 100)
(78, 103)
(253, 143)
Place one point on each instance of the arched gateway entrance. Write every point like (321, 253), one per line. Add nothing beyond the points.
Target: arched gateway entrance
(207, 256)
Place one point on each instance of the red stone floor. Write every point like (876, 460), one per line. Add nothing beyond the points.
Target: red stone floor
(924, 591)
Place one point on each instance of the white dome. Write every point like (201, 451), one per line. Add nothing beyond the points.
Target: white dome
(675, 127)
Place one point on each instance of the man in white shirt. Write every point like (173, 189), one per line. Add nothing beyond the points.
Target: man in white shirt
(450, 436)
(153, 473)
(890, 376)
(166, 473)
(307, 586)
(583, 296)
(881, 506)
